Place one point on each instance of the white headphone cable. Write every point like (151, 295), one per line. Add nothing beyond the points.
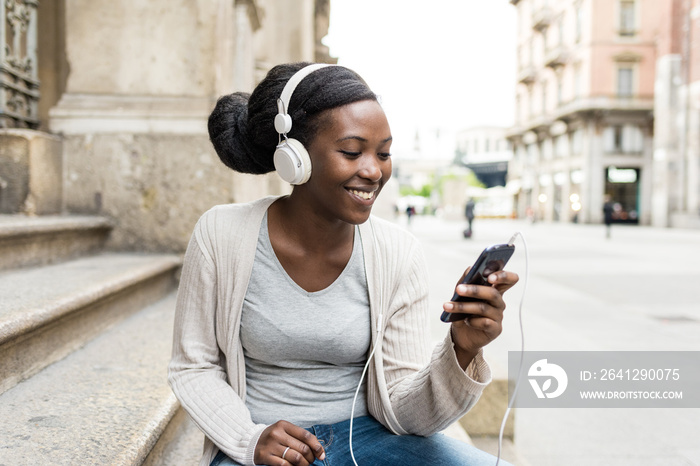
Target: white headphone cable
(522, 345)
(359, 385)
(378, 340)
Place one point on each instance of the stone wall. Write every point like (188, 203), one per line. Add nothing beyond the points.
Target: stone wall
(143, 79)
(30, 172)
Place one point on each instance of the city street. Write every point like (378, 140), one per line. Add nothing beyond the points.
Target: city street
(638, 290)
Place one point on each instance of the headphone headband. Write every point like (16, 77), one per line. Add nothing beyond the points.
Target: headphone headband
(294, 81)
(283, 122)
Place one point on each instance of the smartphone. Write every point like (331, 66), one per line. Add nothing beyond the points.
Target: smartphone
(492, 259)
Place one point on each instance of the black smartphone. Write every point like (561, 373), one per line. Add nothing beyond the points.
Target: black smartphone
(492, 259)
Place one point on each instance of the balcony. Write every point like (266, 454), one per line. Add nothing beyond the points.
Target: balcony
(556, 56)
(542, 18)
(527, 74)
(640, 105)
(592, 106)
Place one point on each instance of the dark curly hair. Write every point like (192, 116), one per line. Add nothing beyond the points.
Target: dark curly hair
(241, 126)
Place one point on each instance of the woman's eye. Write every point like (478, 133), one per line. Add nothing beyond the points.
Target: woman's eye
(384, 155)
(350, 153)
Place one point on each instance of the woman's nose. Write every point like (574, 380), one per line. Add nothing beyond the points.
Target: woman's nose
(371, 168)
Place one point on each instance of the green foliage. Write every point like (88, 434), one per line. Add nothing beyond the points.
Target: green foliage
(470, 178)
(426, 190)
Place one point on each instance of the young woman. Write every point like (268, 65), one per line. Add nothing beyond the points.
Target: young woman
(282, 301)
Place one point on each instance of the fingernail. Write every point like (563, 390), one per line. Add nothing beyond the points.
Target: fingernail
(448, 306)
(462, 288)
(492, 278)
(323, 456)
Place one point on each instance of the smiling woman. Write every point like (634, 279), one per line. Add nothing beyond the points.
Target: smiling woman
(283, 302)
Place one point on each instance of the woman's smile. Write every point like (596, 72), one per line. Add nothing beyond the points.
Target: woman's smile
(366, 196)
(351, 152)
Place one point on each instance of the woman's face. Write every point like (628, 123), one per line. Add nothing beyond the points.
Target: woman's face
(350, 159)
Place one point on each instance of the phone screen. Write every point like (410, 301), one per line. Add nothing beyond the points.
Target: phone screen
(491, 259)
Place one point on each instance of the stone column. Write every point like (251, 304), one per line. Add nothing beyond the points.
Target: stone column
(666, 102)
(143, 79)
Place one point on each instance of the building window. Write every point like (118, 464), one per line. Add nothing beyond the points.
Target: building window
(578, 81)
(625, 81)
(560, 89)
(626, 139)
(544, 43)
(627, 20)
(579, 22)
(547, 149)
(617, 138)
(544, 97)
(577, 142)
(612, 139)
(560, 26)
(560, 145)
(531, 154)
(486, 145)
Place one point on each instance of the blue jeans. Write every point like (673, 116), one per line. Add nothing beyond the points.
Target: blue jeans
(374, 445)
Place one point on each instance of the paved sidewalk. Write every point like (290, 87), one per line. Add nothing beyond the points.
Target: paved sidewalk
(638, 290)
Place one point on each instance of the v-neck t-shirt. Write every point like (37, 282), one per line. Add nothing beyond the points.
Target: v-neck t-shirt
(304, 351)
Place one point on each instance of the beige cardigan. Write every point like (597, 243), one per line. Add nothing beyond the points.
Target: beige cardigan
(408, 391)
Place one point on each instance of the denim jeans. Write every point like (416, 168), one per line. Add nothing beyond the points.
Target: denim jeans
(374, 445)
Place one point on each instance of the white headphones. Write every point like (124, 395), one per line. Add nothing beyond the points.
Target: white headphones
(292, 160)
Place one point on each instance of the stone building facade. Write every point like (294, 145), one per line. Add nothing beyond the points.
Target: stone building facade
(584, 108)
(126, 87)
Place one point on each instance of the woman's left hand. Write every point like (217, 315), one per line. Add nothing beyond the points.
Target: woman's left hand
(486, 315)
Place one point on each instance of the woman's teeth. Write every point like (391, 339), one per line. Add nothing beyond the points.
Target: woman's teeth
(364, 195)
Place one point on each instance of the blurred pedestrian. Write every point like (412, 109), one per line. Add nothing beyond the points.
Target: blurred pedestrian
(530, 214)
(608, 210)
(410, 212)
(469, 213)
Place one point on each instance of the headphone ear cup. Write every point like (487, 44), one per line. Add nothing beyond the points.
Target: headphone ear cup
(292, 162)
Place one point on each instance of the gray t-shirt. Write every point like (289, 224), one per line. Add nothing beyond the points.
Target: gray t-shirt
(304, 352)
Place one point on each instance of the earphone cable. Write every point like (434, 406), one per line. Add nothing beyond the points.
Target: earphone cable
(522, 346)
(378, 340)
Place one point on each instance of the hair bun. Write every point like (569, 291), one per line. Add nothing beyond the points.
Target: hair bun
(228, 132)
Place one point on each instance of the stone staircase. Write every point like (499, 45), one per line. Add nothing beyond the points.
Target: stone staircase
(85, 339)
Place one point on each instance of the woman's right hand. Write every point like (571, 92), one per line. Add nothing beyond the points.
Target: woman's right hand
(303, 450)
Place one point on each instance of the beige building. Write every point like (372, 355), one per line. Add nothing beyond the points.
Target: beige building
(584, 108)
(116, 97)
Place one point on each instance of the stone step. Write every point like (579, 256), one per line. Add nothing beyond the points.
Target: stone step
(48, 312)
(27, 241)
(105, 404)
(179, 445)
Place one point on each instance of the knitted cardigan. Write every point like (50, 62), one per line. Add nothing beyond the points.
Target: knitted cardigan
(408, 390)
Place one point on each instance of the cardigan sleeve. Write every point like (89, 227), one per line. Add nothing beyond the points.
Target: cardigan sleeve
(197, 372)
(427, 392)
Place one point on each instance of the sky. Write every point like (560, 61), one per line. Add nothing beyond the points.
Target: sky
(439, 66)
